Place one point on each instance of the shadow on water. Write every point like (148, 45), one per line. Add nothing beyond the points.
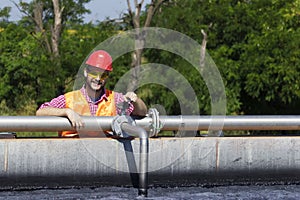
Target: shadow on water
(133, 169)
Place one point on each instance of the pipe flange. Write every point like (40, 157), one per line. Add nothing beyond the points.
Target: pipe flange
(156, 124)
(118, 121)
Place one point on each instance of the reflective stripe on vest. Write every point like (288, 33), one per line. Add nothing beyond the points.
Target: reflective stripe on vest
(76, 101)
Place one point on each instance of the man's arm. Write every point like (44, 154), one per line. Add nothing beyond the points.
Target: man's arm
(74, 117)
(51, 111)
(140, 108)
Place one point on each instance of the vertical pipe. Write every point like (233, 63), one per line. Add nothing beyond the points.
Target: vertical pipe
(143, 171)
(144, 155)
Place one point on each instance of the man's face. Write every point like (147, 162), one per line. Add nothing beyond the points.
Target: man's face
(95, 77)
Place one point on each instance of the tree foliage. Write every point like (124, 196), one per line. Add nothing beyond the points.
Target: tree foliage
(255, 45)
(30, 73)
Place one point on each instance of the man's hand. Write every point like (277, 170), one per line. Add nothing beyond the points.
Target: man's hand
(140, 108)
(130, 96)
(75, 118)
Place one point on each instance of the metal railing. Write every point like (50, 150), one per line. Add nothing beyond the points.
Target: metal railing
(51, 123)
(188, 122)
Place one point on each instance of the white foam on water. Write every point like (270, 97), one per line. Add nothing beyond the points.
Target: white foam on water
(184, 193)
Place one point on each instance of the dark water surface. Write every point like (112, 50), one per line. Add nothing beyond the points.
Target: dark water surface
(286, 192)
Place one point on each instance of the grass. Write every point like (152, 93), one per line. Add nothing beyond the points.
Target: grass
(36, 134)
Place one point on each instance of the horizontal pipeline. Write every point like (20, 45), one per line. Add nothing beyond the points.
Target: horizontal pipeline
(180, 122)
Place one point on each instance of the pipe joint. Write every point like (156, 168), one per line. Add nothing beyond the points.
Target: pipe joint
(156, 124)
(117, 123)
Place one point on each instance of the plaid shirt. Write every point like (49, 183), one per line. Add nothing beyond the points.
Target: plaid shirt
(60, 102)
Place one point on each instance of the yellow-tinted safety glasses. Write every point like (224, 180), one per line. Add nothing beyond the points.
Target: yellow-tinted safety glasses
(102, 75)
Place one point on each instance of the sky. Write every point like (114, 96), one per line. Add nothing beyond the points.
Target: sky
(100, 9)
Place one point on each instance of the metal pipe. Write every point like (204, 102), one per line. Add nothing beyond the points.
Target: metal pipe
(144, 155)
(186, 122)
(51, 123)
(241, 122)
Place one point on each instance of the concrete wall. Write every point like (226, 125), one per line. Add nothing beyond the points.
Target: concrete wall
(172, 161)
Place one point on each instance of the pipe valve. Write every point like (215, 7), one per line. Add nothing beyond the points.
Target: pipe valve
(117, 123)
(120, 119)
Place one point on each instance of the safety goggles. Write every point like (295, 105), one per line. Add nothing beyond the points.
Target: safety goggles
(102, 75)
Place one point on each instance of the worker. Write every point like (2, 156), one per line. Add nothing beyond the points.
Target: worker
(93, 99)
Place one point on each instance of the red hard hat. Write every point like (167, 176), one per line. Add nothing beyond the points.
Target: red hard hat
(100, 59)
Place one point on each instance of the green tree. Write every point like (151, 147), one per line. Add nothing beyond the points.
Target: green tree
(31, 64)
(271, 58)
(255, 45)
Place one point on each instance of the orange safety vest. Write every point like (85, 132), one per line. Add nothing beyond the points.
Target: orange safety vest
(76, 101)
